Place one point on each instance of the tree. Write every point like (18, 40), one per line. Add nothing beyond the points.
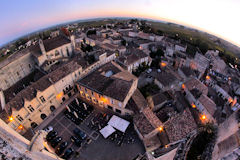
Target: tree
(203, 47)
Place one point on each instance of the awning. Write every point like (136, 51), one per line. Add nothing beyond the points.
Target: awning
(118, 123)
(107, 131)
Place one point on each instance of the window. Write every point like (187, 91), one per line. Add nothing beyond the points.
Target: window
(79, 73)
(17, 73)
(29, 65)
(109, 107)
(118, 111)
(112, 101)
(75, 75)
(57, 53)
(92, 93)
(42, 99)
(19, 118)
(85, 90)
(43, 116)
(31, 109)
(67, 52)
(34, 125)
(119, 104)
(29, 119)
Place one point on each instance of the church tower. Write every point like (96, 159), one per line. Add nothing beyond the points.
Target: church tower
(42, 47)
(72, 38)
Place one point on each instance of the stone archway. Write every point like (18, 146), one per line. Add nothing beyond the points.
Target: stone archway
(34, 125)
(52, 108)
(43, 116)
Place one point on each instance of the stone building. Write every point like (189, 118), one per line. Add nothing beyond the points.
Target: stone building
(29, 107)
(134, 59)
(22, 63)
(109, 86)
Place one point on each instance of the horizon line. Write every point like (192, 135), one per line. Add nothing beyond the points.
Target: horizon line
(162, 20)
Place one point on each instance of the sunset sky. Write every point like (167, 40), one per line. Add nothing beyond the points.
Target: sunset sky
(219, 17)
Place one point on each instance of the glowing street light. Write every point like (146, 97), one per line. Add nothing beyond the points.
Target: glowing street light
(59, 96)
(163, 64)
(160, 128)
(20, 127)
(10, 118)
(193, 105)
(203, 117)
(183, 86)
(208, 77)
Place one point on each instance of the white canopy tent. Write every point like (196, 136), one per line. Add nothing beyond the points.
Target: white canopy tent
(107, 131)
(118, 123)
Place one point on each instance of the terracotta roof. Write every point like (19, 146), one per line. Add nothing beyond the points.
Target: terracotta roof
(26, 81)
(131, 58)
(55, 42)
(195, 83)
(29, 93)
(152, 118)
(180, 126)
(142, 124)
(139, 100)
(159, 99)
(63, 71)
(166, 78)
(230, 143)
(187, 71)
(110, 86)
(208, 104)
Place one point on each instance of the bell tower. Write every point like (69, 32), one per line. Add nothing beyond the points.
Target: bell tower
(41, 45)
(72, 38)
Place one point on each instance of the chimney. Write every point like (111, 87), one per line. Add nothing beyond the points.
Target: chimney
(50, 80)
(41, 45)
(2, 99)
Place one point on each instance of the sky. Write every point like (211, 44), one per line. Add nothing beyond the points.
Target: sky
(218, 17)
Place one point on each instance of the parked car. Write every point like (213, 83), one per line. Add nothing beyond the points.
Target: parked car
(52, 134)
(79, 133)
(68, 153)
(56, 141)
(61, 148)
(76, 141)
(48, 129)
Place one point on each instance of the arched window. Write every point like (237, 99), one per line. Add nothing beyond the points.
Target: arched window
(52, 108)
(67, 51)
(63, 99)
(34, 125)
(43, 116)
